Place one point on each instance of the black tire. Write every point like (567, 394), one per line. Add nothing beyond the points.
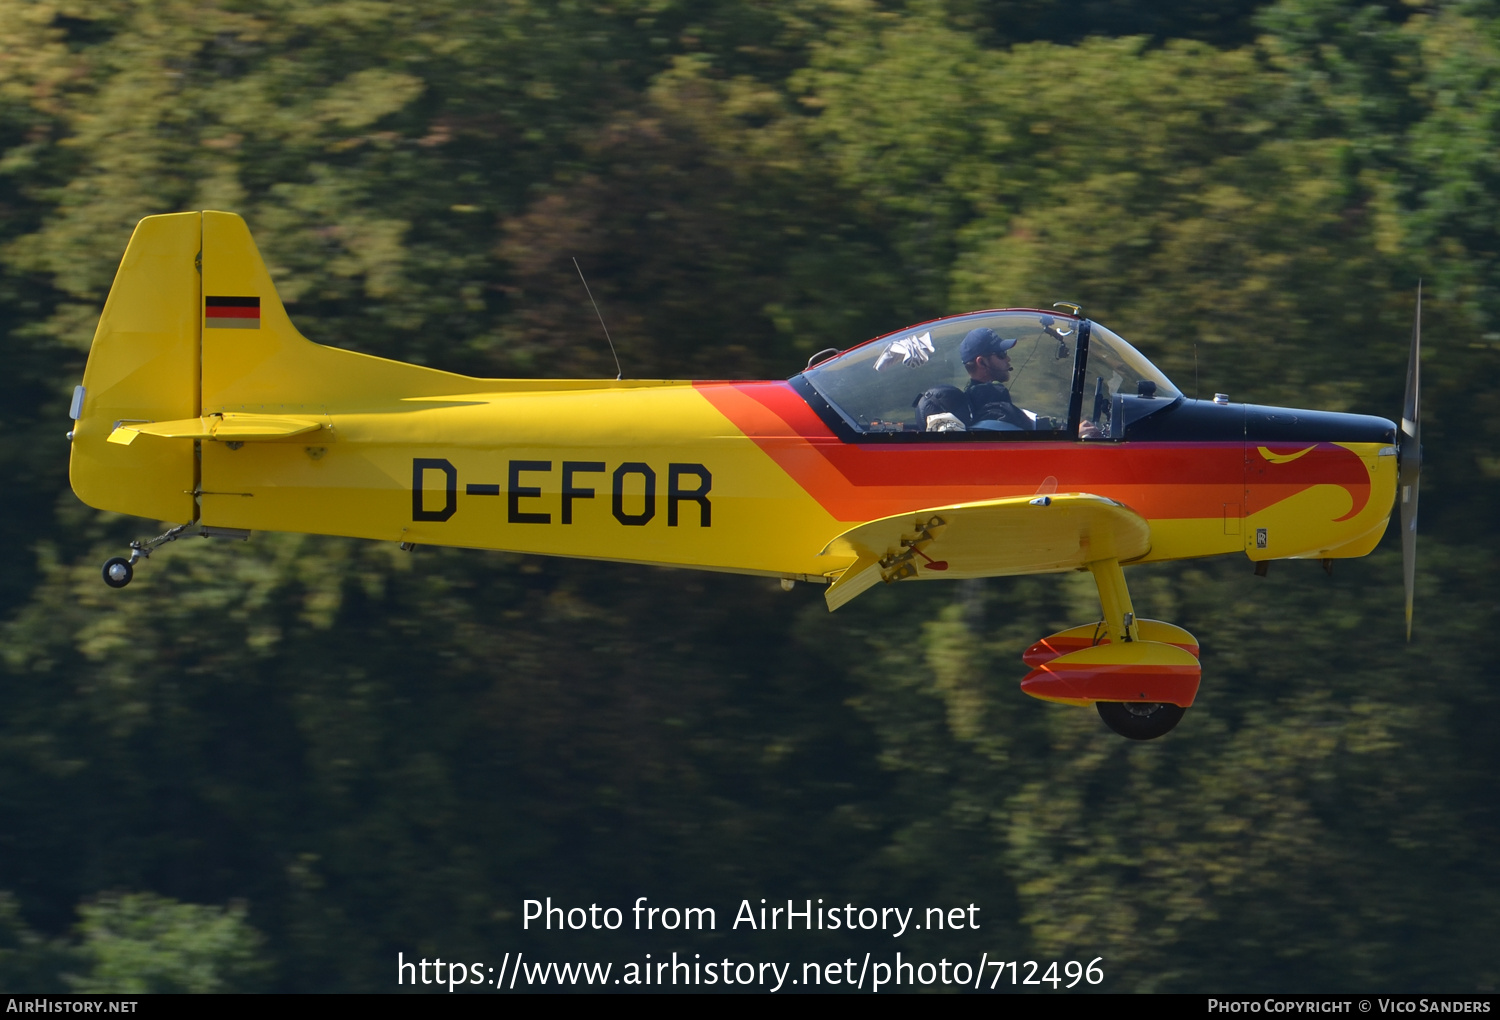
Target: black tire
(118, 571)
(1139, 720)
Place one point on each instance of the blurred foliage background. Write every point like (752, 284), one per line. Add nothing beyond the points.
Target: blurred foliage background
(276, 766)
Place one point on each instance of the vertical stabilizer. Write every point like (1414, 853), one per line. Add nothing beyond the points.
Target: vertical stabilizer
(254, 359)
(192, 336)
(251, 350)
(143, 367)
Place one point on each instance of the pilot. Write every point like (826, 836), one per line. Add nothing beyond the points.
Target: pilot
(986, 358)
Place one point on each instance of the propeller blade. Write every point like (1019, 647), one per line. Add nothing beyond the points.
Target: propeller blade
(1410, 475)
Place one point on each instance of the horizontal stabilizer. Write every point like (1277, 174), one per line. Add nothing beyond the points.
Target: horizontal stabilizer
(994, 538)
(233, 427)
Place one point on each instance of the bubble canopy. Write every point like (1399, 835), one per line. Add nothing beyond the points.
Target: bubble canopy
(1041, 375)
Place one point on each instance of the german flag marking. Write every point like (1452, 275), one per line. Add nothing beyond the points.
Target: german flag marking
(231, 312)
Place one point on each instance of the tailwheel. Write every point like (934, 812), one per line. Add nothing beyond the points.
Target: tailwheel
(1140, 720)
(118, 571)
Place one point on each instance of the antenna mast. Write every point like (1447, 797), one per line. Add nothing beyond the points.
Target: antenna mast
(619, 373)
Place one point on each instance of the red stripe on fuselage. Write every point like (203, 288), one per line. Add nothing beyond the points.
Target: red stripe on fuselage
(863, 481)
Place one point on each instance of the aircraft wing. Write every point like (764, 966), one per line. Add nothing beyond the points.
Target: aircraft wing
(1019, 535)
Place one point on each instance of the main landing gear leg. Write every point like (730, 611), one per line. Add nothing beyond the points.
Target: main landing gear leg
(1119, 614)
(118, 570)
(1135, 720)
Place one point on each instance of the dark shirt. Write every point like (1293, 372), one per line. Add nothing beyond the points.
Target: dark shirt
(991, 402)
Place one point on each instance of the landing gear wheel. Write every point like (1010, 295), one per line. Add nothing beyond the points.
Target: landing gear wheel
(1139, 720)
(118, 571)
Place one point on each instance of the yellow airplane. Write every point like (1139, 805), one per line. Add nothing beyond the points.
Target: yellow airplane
(993, 443)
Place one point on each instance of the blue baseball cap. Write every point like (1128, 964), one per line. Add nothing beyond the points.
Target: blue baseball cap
(982, 341)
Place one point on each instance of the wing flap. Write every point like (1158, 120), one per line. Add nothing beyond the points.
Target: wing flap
(859, 578)
(993, 538)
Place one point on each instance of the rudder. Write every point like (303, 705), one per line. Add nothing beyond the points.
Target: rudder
(143, 366)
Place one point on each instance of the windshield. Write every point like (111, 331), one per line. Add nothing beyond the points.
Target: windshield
(1121, 386)
(1018, 378)
(1123, 368)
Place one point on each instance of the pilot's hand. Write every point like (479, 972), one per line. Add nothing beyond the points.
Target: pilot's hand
(1088, 430)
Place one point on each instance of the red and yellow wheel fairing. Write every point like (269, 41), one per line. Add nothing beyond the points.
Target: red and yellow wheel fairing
(1090, 634)
(1146, 672)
